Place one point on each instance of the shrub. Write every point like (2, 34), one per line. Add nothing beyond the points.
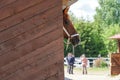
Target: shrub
(99, 63)
(103, 64)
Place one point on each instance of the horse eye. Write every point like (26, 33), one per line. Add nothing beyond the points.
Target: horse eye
(66, 22)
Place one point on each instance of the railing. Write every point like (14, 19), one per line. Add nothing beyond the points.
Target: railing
(90, 61)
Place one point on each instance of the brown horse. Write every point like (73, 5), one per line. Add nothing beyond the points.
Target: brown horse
(69, 31)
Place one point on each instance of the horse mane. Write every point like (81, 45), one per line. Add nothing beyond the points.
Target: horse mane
(65, 12)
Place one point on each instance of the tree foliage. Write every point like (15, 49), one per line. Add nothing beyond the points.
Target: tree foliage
(95, 36)
(108, 13)
(108, 18)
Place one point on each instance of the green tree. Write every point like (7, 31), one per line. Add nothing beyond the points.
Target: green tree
(108, 19)
(91, 42)
(111, 44)
(95, 35)
(108, 13)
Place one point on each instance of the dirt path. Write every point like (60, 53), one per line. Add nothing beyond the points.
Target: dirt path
(102, 75)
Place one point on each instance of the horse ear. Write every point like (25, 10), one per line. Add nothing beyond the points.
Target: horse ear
(66, 10)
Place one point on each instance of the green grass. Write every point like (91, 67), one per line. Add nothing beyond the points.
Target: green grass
(98, 69)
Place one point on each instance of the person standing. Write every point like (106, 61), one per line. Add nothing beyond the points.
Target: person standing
(70, 61)
(84, 61)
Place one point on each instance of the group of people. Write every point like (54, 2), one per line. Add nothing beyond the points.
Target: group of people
(70, 63)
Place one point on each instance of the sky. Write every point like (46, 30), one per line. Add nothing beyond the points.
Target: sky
(84, 8)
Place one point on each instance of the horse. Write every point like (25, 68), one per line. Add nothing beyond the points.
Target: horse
(69, 31)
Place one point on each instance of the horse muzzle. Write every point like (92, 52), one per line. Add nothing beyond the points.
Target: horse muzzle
(75, 40)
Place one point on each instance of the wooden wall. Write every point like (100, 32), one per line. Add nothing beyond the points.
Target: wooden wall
(115, 64)
(31, 40)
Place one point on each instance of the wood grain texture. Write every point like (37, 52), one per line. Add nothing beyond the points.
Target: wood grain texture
(16, 36)
(23, 15)
(16, 7)
(115, 64)
(3, 3)
(31, 40)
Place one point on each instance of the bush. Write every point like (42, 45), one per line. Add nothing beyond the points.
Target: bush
(103, 64)
(99, 63)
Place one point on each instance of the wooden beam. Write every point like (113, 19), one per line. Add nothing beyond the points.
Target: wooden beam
(119, 46)
(68, 3)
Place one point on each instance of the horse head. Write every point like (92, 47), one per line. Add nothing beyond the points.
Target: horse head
(69, 30)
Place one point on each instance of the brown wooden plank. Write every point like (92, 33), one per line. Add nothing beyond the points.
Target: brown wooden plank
(35, 21)
(24, 58)
(24, 61)
(25, 37)
(28, 30)
(36, 69)
(29, 47)
(61, 76)
(115, 64)
(26, 14)
(52, 69)
(17, 7)
(46, 71)
(3, 3)
(57, 56)
(115, 59)
(115, 70)
(119, 45)
(49, 73)
(55, 77)
(35, 37)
